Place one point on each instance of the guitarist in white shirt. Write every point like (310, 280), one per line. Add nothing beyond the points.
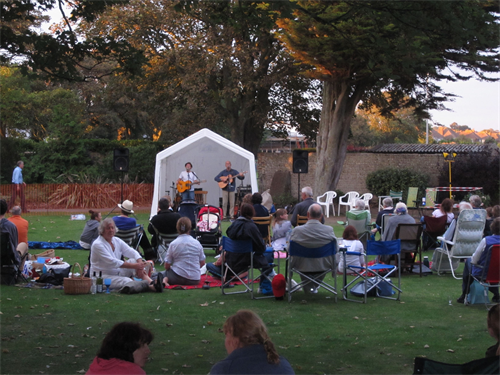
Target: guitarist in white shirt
(228, 186)
(187, 175)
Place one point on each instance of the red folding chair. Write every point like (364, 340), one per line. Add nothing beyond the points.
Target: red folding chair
(434, 227)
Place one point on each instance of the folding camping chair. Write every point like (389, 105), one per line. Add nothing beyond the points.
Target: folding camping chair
(230, 274)
(468, 234)
(162, 244)
(434, 227)
(312, 265)
(410, 236)
(363, 228)
(488, 365)
(385, 220)
(490, 277)
(381, 272)
(131, 237)
(11, 270)
(411, 199)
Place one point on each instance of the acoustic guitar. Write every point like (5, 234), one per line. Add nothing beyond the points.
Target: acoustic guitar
(183, 186)
(226, 180)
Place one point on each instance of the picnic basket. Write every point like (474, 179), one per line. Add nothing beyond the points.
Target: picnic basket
(77, 284)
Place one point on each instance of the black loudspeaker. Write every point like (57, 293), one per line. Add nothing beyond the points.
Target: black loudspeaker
(300, 161)
(120, 159)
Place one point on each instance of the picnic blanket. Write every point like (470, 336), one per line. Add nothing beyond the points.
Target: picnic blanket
(55, 245)
(212, 281)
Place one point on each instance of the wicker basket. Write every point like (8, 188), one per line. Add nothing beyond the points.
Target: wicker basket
(77, 285)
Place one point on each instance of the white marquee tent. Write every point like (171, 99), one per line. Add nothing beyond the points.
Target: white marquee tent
(208, 152)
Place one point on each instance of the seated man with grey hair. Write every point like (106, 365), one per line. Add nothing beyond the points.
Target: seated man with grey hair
(401, 217)
(476, 202)
(301, 208)
(106, 256)
(312, 234)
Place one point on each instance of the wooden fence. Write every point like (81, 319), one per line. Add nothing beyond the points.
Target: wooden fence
(53, 198)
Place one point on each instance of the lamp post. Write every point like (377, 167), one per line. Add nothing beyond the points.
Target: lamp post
(450, 158)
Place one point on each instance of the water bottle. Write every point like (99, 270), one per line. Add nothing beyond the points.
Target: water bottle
(93, 288)
(423, 201)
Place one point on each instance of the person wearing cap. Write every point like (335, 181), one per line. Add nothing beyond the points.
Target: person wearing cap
(124, 222)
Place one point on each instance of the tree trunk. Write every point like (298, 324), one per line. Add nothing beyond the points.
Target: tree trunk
(339, 104)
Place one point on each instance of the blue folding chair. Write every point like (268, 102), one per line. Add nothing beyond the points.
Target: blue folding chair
(232, 275)
(311, 271)
(380, 272)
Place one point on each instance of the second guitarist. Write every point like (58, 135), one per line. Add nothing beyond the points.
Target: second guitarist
(226, 181)
(188, 175)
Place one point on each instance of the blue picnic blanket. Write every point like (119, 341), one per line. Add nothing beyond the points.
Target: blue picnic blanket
(55, 245)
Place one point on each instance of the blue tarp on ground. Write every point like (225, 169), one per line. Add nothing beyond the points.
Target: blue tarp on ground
(55, 245)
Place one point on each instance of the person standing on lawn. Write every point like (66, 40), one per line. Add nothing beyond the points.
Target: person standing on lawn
(18, 186)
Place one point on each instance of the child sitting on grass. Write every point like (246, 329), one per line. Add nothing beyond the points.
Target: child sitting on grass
(494, 330)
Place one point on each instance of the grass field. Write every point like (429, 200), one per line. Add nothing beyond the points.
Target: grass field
(48, 332)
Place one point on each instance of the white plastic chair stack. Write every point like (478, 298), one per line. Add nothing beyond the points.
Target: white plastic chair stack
(328, 197)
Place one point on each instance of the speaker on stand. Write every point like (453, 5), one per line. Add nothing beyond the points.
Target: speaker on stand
(300, 165)
(120, 163)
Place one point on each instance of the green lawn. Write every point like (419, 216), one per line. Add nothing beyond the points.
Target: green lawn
(46, 331)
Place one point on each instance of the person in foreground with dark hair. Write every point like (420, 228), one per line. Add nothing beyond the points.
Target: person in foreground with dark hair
(242, 228)
(494, 330)
(249, 348)
(478, 264)
(124, 351)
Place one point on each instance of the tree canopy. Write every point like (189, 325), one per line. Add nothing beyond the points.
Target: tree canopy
(61, 55)
(361, 49)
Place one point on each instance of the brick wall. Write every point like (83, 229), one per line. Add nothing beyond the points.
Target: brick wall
(356, 167)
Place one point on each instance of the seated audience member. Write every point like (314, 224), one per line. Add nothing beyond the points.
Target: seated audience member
(476, 202)
(491, 214)
(249, 348)
(446, 208)
(20, 249)
(312, 234)
(302, 207)
(124, 222)
(494, 330)
(450, 231)
(247, 199)
(260, 211)
(20, 223)
(401, 217)
(106, 257)
(475, 265)
(280, 228)
(165, 221)
(124, 350)
(387, 209)
(91, 230)
(359, 208)
(184, 257)
(351, 242)
(243, 228)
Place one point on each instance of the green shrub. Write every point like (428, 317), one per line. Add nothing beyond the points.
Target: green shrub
(381, 182)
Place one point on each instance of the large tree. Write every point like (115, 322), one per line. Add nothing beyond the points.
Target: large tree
(360, 49)
(212, 64)
(62, 54)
